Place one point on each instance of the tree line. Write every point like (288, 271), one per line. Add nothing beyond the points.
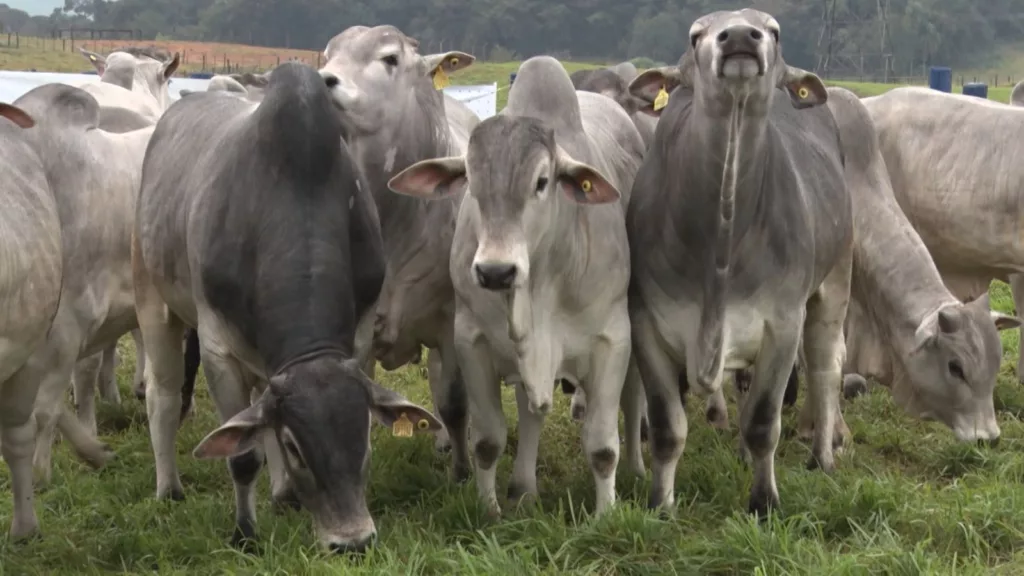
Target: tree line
(869, 35)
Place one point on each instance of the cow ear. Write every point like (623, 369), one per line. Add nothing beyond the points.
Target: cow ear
(1004, 321)
(431, 179)
(16, 115)
(583, 183)
(236, 436)
(449, 62)
(653, 86)
(98, 62)
(805, 89)
(171, 66)
(389, 407)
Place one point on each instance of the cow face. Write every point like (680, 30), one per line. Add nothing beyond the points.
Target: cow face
(513, 168)
(320, 410)
(951, 374)
(371, 71)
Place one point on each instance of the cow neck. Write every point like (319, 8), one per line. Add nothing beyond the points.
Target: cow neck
(894, 276)
(418, 132)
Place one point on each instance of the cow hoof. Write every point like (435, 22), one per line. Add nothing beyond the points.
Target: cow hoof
(823, 463)
(174, 494)
(762, 504)
(519, 492)
(27, 532)
(244, 539)
(854, 385)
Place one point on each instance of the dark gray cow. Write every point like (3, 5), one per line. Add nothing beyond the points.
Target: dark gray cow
(94, 176)
(394, 117)
(30, 281)
(614, 82)
(254, 227)
(540, 264)
(741, 240)
(904, 327)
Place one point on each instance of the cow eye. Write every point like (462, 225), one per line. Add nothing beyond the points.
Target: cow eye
(693, 39)
(542, 184)
(775, 35)
(956, 370)
(391, 60)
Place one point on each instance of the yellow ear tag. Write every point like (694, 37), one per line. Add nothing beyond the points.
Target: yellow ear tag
(402, 427)
(803, 93)
(92, 57)
(661, 100)
(423, 424)
(586, 186)
(440, 78)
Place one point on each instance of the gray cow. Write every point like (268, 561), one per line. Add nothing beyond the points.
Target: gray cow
(246, 85)
(1017, 94)
(540, 264)
(955, 176)
(394, 117)
(255, 227)
(94, 176)
(904, 327)
(30, 281)
(741, 241)
(613, 82)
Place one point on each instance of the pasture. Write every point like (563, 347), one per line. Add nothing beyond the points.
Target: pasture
(906, 498)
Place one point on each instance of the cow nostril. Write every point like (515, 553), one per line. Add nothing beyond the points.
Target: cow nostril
(357, 547)
(331, 80)
(495, 276)
(756, 34)
(722, 36)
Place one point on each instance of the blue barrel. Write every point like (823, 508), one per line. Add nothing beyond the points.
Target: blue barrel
(940, 78)
(201, 75)
(511, 78)
(979, 89)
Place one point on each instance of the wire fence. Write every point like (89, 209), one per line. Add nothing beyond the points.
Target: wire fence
(218, 58)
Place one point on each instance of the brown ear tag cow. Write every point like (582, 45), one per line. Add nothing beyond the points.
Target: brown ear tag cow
(402, 427)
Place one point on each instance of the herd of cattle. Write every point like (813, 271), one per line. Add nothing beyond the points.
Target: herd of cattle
(626, 235)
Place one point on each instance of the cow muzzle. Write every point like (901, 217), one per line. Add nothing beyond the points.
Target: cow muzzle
(740, 52)
(495, 276)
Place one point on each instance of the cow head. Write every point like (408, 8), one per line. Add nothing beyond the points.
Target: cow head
(371, 73)
(514, 169)
(609, 83)
(320, 410)
(951, 372)
(734, 57)
(137, 70)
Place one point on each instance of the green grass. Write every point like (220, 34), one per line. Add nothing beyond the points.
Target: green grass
(906, 499)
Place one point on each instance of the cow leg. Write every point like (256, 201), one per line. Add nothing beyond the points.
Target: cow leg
(666, 393)
(761, 414)
(18, 430)
(138, 379)
(578, 405)
(85, 376)
(741, 380)
(1017, 288)
(717, 411)
(439, 393)
(225, 380)
(108, 378)
(524, 470)
(490, 431)
(792, 388)
(634, 407)
(609, 364)
(451, 402)
(192, 360)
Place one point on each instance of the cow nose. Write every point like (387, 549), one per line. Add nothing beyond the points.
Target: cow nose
(741, 38)
(495, 276)
(355, 546)
(329, 79)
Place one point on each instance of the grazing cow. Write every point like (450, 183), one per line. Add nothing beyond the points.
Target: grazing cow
(30, 290)
(254, 227)
(393, 117)
(741, 241)
(540, 264)
(132, 79)
(94, 176)
(957, 182)
(904, 327)
(614, 83)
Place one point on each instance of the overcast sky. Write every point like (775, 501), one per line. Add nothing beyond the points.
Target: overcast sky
(35, 7)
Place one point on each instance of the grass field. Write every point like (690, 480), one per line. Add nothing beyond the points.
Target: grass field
(906, 499)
